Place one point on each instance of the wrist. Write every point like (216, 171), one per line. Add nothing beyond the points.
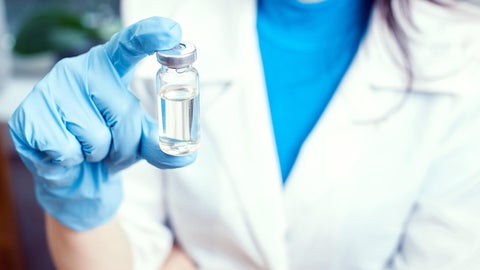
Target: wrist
(92, 249)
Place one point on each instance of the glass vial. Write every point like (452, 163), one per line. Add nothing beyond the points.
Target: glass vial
(178, 100)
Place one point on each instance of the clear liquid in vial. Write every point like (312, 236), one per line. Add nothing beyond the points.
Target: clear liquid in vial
(178, 119)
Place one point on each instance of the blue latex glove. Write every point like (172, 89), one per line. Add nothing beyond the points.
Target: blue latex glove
(81, 125)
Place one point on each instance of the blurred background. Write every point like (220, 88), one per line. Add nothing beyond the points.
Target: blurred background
(34, 34)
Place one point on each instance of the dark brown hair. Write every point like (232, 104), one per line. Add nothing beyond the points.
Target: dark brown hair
(389, 15)
(392, 22)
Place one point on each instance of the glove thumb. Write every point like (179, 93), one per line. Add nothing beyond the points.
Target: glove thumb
(150, 149)
(126, 48)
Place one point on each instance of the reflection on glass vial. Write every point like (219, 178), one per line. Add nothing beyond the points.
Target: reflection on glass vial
(177, 119)
(178, 100)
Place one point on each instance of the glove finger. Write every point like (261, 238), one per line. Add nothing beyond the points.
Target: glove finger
(118, 106)
(79, 114)
(126, 128)
(150, 150)
(129, 46)
(120, 109)
(42, 140)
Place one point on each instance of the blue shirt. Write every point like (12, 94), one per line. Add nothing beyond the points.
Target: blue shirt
(306, 49)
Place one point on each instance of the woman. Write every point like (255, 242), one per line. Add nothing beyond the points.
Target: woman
(384, 177)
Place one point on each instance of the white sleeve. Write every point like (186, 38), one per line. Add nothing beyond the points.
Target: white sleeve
(142, 216)
(443, 231)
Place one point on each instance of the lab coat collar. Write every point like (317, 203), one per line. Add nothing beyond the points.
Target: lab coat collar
(439, 67)
(243, 112)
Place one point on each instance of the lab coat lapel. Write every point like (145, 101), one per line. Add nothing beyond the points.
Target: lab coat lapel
(335, 157)
(246, 144)
(373, 89)
(347, 125)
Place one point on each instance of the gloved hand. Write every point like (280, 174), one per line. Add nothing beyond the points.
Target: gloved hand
(81, 125)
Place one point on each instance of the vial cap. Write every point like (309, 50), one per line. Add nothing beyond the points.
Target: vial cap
(182, 55)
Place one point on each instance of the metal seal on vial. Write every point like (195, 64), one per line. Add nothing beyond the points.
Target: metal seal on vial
(182, 55)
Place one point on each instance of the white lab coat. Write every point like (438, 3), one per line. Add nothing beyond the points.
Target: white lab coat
(402, 193)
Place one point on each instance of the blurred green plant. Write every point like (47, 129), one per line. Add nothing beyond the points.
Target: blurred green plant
(61, 32)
